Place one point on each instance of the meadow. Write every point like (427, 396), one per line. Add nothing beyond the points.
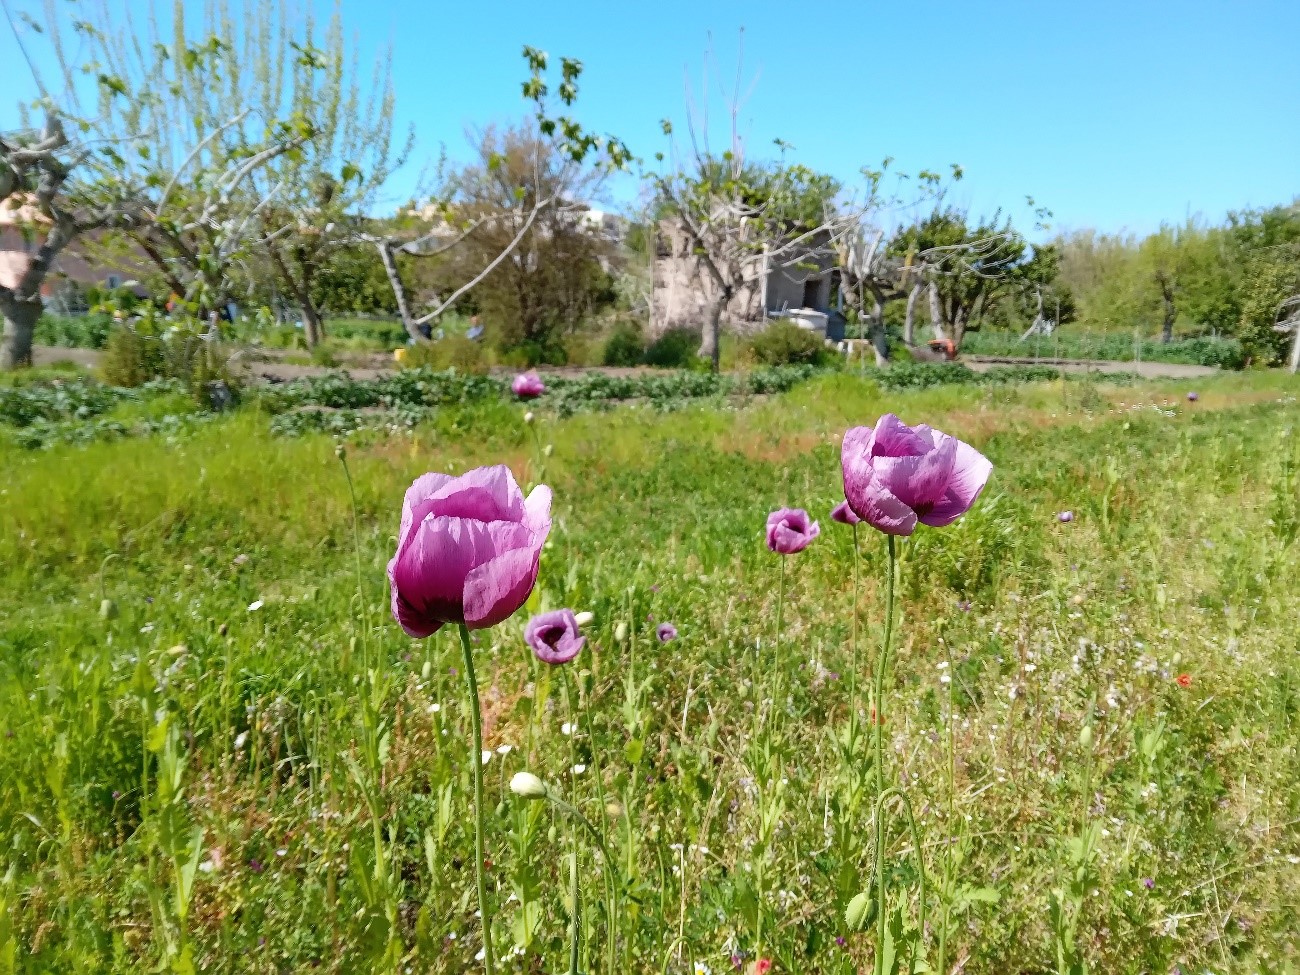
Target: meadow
(220, 753)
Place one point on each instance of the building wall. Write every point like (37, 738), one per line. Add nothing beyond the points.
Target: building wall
(684, 292)
(71, 265)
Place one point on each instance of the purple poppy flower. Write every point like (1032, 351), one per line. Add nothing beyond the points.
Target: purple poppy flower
(666, 632)
(554, 636)
(1149, 883)
(1065, 517)
(896, 475)
(789, 530)
(844, 514)
(1193, 396)
(528, 385)
(468, 549)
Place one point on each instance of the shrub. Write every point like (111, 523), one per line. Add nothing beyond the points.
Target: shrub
(453, 352)
(783, 343)
(625, 345)
(74, 332)
(674, 349)
(151, 347)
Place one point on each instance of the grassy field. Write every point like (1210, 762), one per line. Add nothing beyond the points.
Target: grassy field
(220, 754)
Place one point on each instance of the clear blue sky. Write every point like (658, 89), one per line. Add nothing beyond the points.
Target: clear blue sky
(1116, 115)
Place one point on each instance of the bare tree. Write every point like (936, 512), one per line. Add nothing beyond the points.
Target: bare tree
(741, 220)
(455, 217)
(35, 168)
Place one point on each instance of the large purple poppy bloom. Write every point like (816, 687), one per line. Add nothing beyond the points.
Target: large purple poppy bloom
(789, 530)
(666, 632)
(896, 475)
(528, 385)
(468, 549)
(554, 636)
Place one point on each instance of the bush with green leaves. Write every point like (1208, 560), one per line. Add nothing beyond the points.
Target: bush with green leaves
(1222, 353)
(74, 331)
(152, 346)
(674, 349)
(783, 343)
(625, 345)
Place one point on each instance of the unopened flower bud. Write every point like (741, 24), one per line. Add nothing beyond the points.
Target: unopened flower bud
(548, 450)
(528, 785)
(861, 912)
(1085, 736)
(107, 609)
(583, 618)
(620, 633)
(528, 417)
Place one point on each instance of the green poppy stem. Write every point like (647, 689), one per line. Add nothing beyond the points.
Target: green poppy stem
(476, 764)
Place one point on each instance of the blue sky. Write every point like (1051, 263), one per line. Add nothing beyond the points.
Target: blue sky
(1116, 115)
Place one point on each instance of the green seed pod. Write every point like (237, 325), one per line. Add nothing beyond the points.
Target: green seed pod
(861, 912)
(1085, 736)
(107, 609)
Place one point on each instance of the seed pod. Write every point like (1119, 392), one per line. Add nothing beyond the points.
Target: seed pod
(1085, 736)
(107, 609)
(861, 912)
(620, 633)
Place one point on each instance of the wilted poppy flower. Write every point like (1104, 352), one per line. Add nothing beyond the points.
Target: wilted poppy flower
(1065, 517)
(844, 514)
(666, 632)
(554, 636)
(1193, 396)
(468, 549)
(789, 530)
(1184, 680)
(896, 475)
(528, 385)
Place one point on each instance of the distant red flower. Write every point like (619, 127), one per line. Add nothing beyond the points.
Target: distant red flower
(762, 966)
(1184, 680)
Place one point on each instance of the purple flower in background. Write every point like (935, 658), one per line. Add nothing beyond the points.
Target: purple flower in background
(1149, 883)
(666, 632)
(789, 530)
(1065, 517)
(528, 385)
(896, 475)
(844, 514)
(1193, 396)
(468, 549)
(554, 636)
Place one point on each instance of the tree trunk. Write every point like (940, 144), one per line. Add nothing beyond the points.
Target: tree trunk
(936, 313)
(879, 340)
(909, 321)
(399, 289)
(1171, 311)
(19, 323)
(711, 345)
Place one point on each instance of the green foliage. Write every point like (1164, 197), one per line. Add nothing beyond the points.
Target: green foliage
(74, 331)
(1270, 281)
(922, 375)
(154, 347)
(450, 352)
(783, 343)
(1223, 353)
(675, 348)
(352, 280)
(625, 345)
(215, 742)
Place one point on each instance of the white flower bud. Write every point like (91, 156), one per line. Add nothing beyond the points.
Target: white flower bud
(528, 417)
(583, 618)
(528, 785)
(620, 632)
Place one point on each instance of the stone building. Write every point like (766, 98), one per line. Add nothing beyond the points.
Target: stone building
(802, 286)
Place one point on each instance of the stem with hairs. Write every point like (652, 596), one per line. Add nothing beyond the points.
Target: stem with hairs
(476, 763)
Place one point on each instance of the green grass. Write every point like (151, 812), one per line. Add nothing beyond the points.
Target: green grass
(142, 696)
(1225, 353)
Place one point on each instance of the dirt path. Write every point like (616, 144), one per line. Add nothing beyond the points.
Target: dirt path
(269, 366)
(1148, 370)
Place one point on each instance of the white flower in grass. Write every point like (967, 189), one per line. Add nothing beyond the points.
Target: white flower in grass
(255, 605)
(487, 756)
(579, 769)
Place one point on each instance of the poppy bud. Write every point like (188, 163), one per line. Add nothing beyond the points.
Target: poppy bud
(620, 633)
(861, 912)
(528, 785)
(107, 609)
(1085, 736)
